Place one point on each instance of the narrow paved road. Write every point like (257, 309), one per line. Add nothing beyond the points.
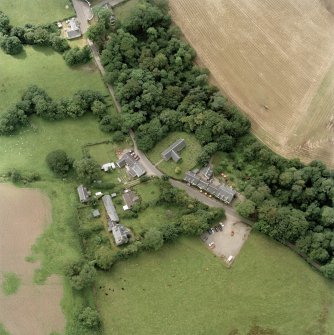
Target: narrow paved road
(147, 164)
(84, 13)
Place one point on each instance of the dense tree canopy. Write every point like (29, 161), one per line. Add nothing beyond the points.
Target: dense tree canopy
(87, 169)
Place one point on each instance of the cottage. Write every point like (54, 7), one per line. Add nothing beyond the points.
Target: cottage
(133, 168)
(110, 208)
(83, 194)
(172, 151)
(220, 191)
(73, 30)
(130, 198)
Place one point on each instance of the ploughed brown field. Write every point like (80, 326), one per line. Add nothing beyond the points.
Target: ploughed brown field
(33, 309)
(275, 60)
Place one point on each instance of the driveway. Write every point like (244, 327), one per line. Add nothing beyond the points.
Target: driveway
(84, 13)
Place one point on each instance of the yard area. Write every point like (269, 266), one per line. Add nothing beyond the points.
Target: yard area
(189, 154)
(21, 12)
(183, 289)
(32, 67)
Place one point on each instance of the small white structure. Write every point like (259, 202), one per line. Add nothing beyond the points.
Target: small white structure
(230, 259)
(59, 25)
(126, 208)
(113, 195)
(107, 167)
(98, 195)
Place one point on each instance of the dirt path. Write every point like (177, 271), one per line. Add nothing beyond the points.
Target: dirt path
(33, 309)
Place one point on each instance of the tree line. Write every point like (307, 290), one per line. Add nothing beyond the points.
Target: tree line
(35, 101)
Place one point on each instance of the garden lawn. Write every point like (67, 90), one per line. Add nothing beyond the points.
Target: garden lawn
(47, 69)
(189, 154)
(123, 10)
(184, 289)
(21, 12)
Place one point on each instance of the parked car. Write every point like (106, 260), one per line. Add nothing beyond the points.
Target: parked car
(212, 230)
(209, 231)
(220, 228)
(222, 225)
(216, 228)
(212, 245)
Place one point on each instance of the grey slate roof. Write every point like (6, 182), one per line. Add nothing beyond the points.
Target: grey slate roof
(74, 29)
(172, 151)
(83, 193)
(130, 198)
(120, 234)
(135, 169)
(222, 191)
(110, 208)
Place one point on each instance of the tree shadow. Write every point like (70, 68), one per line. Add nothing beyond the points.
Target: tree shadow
(47, 51)
(21, 55)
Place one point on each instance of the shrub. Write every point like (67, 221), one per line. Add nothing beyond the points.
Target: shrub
(11, 45)
(58, 162)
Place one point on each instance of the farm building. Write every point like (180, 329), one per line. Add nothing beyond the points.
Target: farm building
(172, 151)
(83, 194)
(134, 168)
(73, 30)
(121, 234)
(110, 208)
(207, 172)
(220, 191)
(130, 198)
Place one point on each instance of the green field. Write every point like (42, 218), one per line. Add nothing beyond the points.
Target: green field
(184, 289)
(47, 69)
(21, 12)
(27, 150)
(122, 11)
(189, 154)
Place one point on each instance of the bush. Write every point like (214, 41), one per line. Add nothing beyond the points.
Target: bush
(89, 318)
(11, 45)
(80, 274)
(77, 56)
(58, 162)
(118, 137)
(87, 169)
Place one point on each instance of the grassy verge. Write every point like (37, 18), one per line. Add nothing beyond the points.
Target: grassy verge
(183, 289)
(36, 11)
(11, 283)
(189, 154)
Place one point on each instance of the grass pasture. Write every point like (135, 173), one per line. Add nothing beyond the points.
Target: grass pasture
(46, 69)
(21, 12)
(189, 154)
(183, 289)
(268, 59)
